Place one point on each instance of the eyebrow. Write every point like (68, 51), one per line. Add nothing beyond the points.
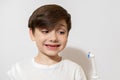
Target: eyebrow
(59, 25)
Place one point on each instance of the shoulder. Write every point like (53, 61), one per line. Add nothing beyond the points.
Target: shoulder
(15, 69)
(18, 65)
(71, 64)
(78, 70)
(75, 69)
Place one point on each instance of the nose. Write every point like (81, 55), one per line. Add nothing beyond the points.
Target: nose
(53, 37)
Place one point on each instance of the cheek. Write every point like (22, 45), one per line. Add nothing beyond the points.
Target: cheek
(40, 38)
(39, 43)
(64, 39)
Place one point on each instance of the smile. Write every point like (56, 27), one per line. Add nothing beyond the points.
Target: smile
(52, 47)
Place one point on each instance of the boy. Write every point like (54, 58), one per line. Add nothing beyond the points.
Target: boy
(49, 27)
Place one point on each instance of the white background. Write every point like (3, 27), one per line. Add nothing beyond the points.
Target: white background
(95, 28)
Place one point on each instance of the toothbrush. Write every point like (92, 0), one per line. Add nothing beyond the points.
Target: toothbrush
(94, 75)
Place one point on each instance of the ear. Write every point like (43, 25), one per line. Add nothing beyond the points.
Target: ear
(31, 35)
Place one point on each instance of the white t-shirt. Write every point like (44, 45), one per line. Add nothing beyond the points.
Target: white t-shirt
(30, 70)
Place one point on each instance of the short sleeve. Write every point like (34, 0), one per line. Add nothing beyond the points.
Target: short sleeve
(11, 73)
(80, 74)
(14, 73)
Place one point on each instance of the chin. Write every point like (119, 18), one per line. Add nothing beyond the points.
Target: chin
(51, 53)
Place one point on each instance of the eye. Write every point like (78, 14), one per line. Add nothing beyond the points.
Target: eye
(45, 31)
(61, 32)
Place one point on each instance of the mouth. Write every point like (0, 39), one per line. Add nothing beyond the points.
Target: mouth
(52, 46)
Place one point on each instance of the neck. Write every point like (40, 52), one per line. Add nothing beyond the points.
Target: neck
(47, 60)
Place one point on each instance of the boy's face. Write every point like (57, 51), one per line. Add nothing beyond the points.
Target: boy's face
(50, 43)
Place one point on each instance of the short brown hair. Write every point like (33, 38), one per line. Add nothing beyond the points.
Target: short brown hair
(48, 16)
